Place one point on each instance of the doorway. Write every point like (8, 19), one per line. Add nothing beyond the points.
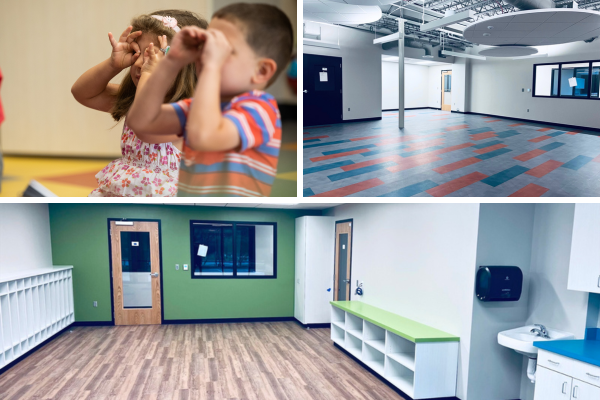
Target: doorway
(343, 260)
(136, 272)
(446, 90)
(322, 90)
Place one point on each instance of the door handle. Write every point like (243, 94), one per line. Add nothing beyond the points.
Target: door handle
(575, 392)
(598, 280)
(564, 388)
(305, 91)
(154, 275)
(592, 376)
(346, 280)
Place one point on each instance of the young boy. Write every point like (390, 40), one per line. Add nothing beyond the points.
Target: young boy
(232, 129)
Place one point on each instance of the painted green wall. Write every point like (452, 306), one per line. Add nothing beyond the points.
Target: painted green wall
(80, 238)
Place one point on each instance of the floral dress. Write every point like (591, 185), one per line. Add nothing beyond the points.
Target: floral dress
(145, 170)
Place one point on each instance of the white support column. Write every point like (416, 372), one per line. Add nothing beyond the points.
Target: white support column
(400, 74)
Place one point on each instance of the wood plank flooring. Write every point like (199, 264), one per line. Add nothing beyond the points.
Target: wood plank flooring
(254, 361)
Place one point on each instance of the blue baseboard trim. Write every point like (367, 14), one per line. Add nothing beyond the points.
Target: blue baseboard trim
(313, 326)
(93, 323)
(226, 320)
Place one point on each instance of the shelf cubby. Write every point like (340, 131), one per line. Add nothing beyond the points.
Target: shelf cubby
(400, 350)
(400, 376)
(374, 336)
(337, 335)
(33, 307)
(353, 345)
(338, 317)
(354, 325)
(373, 358)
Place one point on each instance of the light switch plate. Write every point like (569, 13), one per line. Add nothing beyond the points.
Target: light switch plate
(185, 267)
(176, 267)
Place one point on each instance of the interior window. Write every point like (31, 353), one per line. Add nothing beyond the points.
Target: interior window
(546, 80)
(230, 249)
(595, 81)
(574, 80)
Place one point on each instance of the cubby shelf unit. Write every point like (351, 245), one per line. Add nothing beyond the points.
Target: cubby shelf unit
(419, 360)
(34, 305)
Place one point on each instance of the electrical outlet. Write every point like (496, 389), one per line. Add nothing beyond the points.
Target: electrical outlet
(528, 110)
(348, 108)
(95, 304)
(176, 267)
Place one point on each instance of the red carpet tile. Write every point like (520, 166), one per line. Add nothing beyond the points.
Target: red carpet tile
(456, 165)
(490, 148)
(493, 120)
(456, 184)
(369, 137)
(539, 139)
(351, 189)
(483, 135)
(415, 161)
(544, 168)
(573, 132)
(531, 190)
(529, 155)
(369, 163)
(315, 137)
(596, 159)
(82, 179)
(516, 124)
(544, 129)
(348, 153)
(451, 148)
(457, 127)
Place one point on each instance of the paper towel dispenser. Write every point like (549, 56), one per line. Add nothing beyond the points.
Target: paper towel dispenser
(499, 283)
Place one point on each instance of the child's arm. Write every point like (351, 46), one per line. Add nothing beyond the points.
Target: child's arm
(93, 89)
(148, 117)
(207, 129)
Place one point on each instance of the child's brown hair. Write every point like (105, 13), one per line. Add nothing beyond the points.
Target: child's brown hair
(267, 29)
(186, 80)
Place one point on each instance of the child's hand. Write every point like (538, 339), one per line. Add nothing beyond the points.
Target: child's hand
(126, 51)
(216, 49)
(152, 56)
(186, 45)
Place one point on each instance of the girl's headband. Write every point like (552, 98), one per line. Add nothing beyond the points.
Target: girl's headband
(169, 22)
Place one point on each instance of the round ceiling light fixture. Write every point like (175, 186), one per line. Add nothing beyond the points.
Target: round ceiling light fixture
(509, 51)
(339, 13)
(541, 27)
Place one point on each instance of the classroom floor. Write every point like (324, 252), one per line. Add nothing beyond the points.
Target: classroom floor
(449, 154)
(262, 361)
(69, 177)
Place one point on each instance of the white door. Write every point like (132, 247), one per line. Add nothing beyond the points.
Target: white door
(584, 266)
(550, 385)
(584, 391)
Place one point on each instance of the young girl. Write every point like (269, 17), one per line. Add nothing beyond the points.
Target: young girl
(144, 169)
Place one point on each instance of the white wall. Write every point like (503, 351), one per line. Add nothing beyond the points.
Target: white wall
(416, 85)
(504, 238)
(24, 237)
(496, 87)
(550, 303)
(417, 260)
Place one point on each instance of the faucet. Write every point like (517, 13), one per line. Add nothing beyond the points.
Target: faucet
(541, 332)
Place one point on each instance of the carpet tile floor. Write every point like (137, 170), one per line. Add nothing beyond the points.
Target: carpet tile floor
(440, 153)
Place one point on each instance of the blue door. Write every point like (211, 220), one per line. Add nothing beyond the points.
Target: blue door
(322, 90)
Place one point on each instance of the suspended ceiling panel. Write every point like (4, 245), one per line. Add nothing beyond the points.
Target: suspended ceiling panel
(339, 13)
(535, 27)
(508, 51)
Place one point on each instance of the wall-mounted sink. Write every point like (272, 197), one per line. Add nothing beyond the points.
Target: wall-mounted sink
(521, 339)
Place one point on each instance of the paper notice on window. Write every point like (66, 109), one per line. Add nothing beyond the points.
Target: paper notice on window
(323, 76)
(202, 250)
(573, 82)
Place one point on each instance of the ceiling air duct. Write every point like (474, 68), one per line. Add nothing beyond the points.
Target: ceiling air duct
(532, 4)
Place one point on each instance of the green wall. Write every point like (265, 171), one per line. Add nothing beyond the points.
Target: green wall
(80, 238)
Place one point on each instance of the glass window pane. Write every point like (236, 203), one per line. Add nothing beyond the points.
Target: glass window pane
(217, 239)
(546, 80)
(574, 80)
(595, 81)
(256, 249)
(136, 268)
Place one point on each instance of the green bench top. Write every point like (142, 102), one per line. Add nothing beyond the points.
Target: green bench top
(407, 328)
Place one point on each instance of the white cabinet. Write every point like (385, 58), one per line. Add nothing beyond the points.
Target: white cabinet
(584, 266)
(562, 378)
(315, 243)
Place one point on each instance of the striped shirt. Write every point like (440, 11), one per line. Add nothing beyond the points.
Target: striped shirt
(248, 170)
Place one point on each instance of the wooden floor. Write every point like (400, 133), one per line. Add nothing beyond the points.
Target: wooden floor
(261, 361)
